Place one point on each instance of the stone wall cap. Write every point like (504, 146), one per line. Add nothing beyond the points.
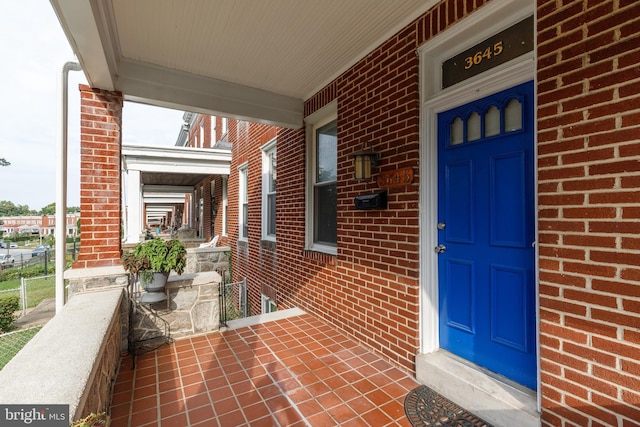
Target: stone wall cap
(210, 249)
(56, 365)
(193, 279)
(80, 273)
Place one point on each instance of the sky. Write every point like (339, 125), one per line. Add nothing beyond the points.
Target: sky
(33, 49)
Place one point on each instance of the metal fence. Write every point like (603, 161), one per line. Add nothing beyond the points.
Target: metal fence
(37, 305)
(26, 260)
(32, 291)
(233, 300)
(12, 342)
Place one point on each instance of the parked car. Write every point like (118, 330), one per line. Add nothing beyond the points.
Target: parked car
(6, 260)
(3, 245)
(13, 245)
(40, 250)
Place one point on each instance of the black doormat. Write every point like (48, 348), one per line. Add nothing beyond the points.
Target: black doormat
(424, 407)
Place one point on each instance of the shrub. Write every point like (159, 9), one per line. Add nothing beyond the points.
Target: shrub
(8, 306)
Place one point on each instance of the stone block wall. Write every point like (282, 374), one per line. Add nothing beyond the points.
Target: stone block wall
(98, 392)
(192, 307)
(73, 359)
(207, 259)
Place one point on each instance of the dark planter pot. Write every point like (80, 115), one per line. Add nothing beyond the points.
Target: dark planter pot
(157, 282)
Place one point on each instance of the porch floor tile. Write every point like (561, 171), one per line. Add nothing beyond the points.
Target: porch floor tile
(297, 371)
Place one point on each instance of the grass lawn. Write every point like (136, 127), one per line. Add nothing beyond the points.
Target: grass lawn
(12, 343)
(10, 284)
(38, 289)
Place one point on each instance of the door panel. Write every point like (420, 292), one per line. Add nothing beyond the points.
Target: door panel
(507, 200)
(459, 204)
(486, 211)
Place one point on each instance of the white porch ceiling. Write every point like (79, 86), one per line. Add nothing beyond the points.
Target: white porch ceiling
(246, 59)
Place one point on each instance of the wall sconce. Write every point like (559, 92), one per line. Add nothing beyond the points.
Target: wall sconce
(363, 162)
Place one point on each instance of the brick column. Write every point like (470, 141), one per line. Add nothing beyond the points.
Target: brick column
(100, 178)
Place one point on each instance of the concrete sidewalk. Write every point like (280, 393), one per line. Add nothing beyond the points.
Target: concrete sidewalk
(38, 315)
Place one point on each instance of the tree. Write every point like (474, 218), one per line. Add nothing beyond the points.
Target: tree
(50, 209)
(9, 209)
(3, 162)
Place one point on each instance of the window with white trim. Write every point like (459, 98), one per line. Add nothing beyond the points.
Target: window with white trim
(225, 127)
(322, 174)
(225, 206)
(243, 198)
(268, 305)
(269, 177)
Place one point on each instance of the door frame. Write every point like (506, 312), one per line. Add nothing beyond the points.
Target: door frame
(488, 20)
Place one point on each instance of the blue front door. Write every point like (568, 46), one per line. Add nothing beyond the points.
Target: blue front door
(486, 233)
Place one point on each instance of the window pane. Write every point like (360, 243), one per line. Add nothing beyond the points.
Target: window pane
(492, 121)
(326, 205)
(473, 127)
(456, 131)
(245, 185)
(245, 220)
(272, 175)
(513, 116)
(327, 152)
(271, 220)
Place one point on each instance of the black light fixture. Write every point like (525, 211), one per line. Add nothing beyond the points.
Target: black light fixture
(363, 161)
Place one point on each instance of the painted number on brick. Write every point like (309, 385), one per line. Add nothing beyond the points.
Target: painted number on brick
(395, 178)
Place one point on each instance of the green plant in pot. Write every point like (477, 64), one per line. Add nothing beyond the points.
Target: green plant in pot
(152, 261)
(163, 256)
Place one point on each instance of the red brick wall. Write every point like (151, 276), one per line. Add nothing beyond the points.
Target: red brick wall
(255, 260)
(589, 192)
(100, 179)
(370, 289)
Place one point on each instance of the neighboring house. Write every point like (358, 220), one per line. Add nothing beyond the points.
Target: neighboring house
(39, 225)
(209, 201)
(508, 241)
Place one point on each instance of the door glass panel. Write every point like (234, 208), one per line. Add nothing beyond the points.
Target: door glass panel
(513, 116)
(492, 121)
(457, 131)
(473, 127)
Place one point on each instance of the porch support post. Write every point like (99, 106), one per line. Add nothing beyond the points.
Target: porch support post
(100, 178)
(134, 206)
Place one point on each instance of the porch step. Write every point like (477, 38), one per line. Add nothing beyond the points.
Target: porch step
(494, 399)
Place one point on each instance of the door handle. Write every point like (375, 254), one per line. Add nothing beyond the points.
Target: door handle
(440, 249)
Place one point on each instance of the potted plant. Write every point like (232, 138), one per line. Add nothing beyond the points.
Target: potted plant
(162, 257)
(93, 420)
(153, 260)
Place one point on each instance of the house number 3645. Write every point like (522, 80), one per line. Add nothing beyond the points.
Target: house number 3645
(481, 55)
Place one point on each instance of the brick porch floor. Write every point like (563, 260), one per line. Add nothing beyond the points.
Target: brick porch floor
(297, 371)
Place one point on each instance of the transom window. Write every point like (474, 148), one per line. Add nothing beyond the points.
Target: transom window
(492, 121)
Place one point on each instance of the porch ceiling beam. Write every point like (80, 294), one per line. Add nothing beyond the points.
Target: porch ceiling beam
(164, 200)
(89, 28)
(176, 160)
(85, 35)
(177, 189)
(140, 82)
